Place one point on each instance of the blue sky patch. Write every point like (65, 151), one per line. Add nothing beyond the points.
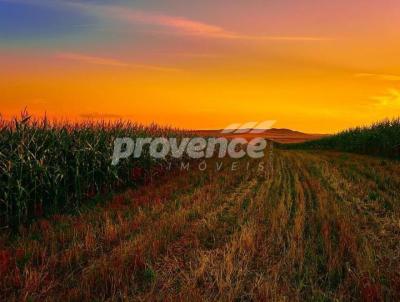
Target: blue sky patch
(22, 21)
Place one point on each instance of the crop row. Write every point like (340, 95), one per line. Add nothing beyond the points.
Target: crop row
(48, 167)
(379, 139)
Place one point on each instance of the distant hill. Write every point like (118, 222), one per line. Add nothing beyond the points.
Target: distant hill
(280, 135)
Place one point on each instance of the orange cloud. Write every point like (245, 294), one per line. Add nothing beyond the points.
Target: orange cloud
(95, 60)
(391, 98)
(183, 25)
(90, 59)
(383, 77)
(191, 27)
(102, 116)
(179, 23)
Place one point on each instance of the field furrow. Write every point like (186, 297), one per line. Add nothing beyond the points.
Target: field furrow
(310, 226)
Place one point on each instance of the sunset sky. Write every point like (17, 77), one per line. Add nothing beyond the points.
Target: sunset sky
(315, 66)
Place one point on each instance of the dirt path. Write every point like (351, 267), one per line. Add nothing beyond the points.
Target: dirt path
(310, 226)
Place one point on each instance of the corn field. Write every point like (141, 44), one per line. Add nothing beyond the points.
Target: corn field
(379, 139)
(312, 226)
(48, 167)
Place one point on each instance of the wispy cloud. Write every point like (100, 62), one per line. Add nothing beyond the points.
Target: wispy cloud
(195, 28)
(194, 55)
(95, 115)
(183, 26)
(379, 76)
(390, 99)
(180, 25)
(95, 60)
(90, 59)
(106, 116)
